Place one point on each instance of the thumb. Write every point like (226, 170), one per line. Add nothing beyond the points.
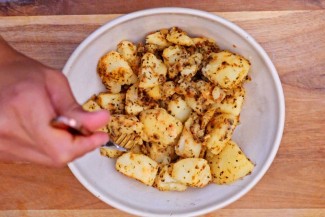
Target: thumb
(65, 104)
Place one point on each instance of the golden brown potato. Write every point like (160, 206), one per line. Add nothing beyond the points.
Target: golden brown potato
(164, 181)
(191, 67)
(202, 89)
(128, 51)
(115, 71)
(174, 58)
(205, 46)
(161, 154)
(179, 108)
(137, 166)
(158, 39)
(193, 172)
(126, 125)
(179, 37)
(232, 103)
(229, 165)
(168, 89)
(153, 71)
(110, 153)
(155, 92)
(160, 127)
(91, 105)
(219, 131)
(187, 146)
(226, 69)
(114, 102)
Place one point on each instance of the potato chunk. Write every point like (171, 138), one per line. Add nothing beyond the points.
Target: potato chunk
(114, 102)
(219, 131)
(164, 181)
(179, 109)
(168, 89)
(158, 39)
(91, 105)
(174, 58)
(110, 153)
(137, 166)
(115, 71)
(194, 172)
(226, 69)
(155, 92)
(128, 51)
(187, 146)
(153, 71)
(133, 105)
(161, 154)
(229, 165)
(126, 125)
(179, 37)
(232, 103)
(159, 126)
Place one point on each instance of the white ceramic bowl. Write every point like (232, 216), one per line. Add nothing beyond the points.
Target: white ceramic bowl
(259, 134)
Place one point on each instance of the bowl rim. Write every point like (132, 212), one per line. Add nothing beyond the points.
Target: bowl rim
(237, 30)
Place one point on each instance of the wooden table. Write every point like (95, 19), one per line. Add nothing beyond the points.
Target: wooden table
(293, 34)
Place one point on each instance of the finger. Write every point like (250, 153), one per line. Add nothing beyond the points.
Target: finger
(65, 104)
(25, 154)
(84, 145)
(67, 150)
(91, 120)
(60, 91)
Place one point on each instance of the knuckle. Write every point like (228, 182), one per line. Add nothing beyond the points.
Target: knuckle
(20, 92)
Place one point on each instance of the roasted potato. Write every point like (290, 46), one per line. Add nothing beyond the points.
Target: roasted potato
(219, 131)
(126, 125)
(232, 103)
(179, 108)
(158, 39)
(114, 102)
(133, 105)
(159, 126)
(115, 71)
(152, 72)
(137, 166)
(179, 37)
(128, 51)
(181, 98)
(164, 181)
(229, 165)
(110, 153)
(174, 58)
(193, 172)
(226, 69)
(161, 154)
(155, 92)
(187, 146)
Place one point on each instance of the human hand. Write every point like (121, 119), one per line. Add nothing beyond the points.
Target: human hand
(31, 95)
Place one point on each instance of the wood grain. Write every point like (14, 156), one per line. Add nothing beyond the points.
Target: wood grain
(68, 7)
(293, 186)
(221, 213)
